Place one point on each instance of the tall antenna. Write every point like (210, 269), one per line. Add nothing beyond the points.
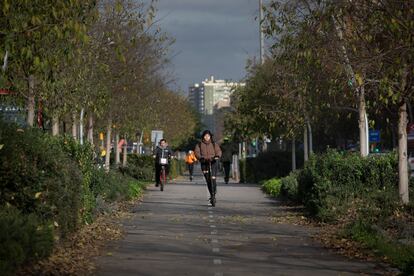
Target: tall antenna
(261, 32)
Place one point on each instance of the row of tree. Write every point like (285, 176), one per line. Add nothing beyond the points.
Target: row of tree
(101, 62)
(330, 60)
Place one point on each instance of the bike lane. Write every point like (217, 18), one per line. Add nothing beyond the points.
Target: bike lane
(175, 232)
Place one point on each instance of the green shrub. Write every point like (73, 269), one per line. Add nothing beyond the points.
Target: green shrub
(141, 167)
(363, 192)
(84, 157)
(99, 182)
(23, 238)
(113, 186)
(135, 189)
(330, 183)
(177, 167)
(266, 165)
(272, 186)
(289, 186)
(37, 176)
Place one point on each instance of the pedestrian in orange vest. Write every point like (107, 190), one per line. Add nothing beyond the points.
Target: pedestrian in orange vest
(190, 159)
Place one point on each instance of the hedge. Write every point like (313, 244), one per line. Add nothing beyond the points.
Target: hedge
(49, 187)
(361, 193)
(142, 167)
(23, 238)
(37, 176)
(331, 183)
(267, 165)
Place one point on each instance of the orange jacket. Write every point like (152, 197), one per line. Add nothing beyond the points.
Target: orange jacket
(190, 158)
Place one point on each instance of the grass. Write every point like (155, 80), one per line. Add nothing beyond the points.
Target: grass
(398, 254)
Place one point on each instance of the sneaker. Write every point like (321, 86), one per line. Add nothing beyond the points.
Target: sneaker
(213, 201)
(157, 184)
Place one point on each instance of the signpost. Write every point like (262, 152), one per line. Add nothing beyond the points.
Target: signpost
(374, 139)
(156, 136)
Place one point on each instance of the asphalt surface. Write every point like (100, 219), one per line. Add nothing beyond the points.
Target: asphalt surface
(175, 232)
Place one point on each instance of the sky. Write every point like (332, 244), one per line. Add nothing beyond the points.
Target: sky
(213, 37)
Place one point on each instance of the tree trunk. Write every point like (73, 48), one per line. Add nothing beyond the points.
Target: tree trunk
(402, 154)
(108, 144)
(90, 129)
(31, 101)
(359, 88)
(362, 123)
(305, 144)
(310, 138)
(55, 125)
(139, 144)
(74, 126)
(81, 126)
(264, 148)
(125, 153)
(117, 152)
(293, 154)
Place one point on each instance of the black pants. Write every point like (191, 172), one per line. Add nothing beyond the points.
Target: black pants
(190, 169)
(226, 166)
(158, 172)
(208, 175)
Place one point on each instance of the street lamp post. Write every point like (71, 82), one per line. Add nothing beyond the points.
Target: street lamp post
(261, 32)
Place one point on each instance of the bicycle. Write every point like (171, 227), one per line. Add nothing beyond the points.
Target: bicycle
(163, 177)
(163, 173)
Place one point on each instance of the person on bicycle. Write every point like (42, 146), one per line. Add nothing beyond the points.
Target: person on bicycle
(162, 155)
(208, 152)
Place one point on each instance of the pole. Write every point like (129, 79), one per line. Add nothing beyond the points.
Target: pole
(261, 32)
(244, 161)
(293, 154)
(366, 134)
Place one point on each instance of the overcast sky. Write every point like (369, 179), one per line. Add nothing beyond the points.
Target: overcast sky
(213, 37)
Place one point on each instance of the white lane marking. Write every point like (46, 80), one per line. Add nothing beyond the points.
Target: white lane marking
(214, 241)
(211, 220)
(214, 232)
(210, 216)
(217, 261)
(216, 249)
(212, 226)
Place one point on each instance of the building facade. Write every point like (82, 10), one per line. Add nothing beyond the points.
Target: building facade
(196, 97)
(211, 99)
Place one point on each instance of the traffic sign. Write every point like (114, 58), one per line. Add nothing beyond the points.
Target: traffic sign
(374, 136)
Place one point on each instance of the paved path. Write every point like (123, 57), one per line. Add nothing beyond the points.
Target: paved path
(175, 232)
